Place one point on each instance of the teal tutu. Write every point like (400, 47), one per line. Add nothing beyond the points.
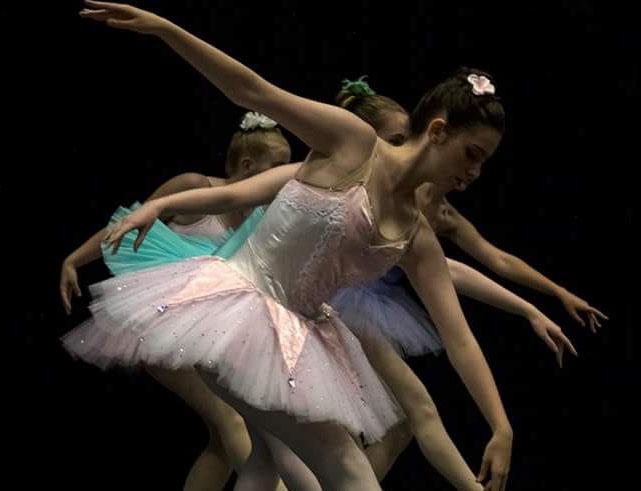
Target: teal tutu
(163, 246)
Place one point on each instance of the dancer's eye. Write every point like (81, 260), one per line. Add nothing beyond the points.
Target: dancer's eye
(396, 140)
(472, 154)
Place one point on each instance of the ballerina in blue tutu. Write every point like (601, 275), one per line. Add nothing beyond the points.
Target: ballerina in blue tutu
(416, 335)
(387, 308)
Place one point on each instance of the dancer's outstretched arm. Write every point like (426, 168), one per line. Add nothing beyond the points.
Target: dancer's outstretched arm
(248, 193)
(467, 237)
(427, 270)
(325, 128)
(91, 250)
(471, 283)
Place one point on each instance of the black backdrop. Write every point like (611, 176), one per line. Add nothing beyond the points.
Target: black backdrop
(97, 117)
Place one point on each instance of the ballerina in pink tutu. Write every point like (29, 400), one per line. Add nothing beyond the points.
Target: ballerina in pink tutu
(258, 144)
(256, 326)
(391, 123)
(386, 308)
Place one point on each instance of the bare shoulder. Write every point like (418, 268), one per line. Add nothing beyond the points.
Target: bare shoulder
(423, 242)
(190, 180)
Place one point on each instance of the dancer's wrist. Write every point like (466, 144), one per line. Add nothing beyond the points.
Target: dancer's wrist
(559, 292)
(530, 312)
(504, 431)
(165, 29)
(70, 261)
(161, 205)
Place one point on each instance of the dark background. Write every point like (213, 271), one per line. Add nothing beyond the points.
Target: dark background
(96, 118)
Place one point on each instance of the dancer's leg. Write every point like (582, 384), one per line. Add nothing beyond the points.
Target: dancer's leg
(326, 448)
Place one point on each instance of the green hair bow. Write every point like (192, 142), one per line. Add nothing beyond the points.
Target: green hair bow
(358, 87)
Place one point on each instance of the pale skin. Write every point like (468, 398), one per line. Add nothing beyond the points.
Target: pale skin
(341, 143)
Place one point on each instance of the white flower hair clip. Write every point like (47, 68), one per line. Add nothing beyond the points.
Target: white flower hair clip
(253, 120)
(481, 85)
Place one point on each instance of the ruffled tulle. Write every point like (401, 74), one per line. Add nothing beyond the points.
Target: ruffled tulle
(385, 308)
(202, 313)
(162, 245)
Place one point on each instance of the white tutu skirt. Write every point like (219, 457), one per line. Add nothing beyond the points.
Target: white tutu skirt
(202, 313)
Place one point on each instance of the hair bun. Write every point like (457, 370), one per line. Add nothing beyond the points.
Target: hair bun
(254, 120)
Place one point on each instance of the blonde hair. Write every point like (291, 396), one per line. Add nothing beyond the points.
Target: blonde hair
(250, 144)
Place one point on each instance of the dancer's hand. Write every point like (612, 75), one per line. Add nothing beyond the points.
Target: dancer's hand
(496, 461)
(141, 219)
(68, 284)
(577, 306)
(123, 16)
(552, 335)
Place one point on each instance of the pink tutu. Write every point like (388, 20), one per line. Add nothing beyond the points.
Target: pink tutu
(202, 313)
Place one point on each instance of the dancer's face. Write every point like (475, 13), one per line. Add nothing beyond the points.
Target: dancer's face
(395, 128)
(457, 156)
(278, 153)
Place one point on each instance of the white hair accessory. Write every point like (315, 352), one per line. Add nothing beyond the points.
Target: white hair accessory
(253, 120)
(481, 85)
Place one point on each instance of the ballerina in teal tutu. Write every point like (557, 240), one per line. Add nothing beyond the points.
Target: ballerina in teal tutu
(256, 146)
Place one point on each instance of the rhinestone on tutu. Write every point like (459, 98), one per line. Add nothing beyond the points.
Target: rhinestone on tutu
(291, 382)
(162, 308)
(323, 314)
